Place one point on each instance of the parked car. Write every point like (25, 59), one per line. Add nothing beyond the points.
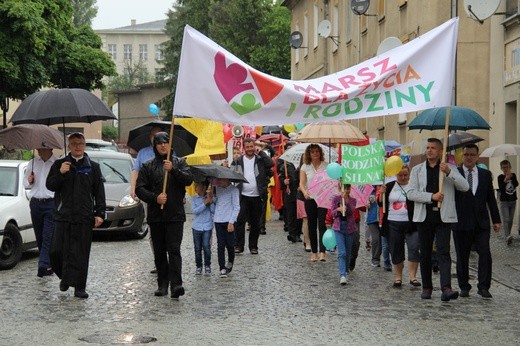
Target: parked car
(124, 214)
(99, 144)
(16, 231)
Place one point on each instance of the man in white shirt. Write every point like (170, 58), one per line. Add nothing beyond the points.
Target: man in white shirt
(42, 206)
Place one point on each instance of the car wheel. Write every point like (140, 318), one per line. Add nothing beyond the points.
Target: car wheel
(11, 247)
(142, 232)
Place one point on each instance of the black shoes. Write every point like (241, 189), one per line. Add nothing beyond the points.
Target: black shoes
(293, 239)
(63, 287)
(415, 283)
(177, 291)
(449, 294)
(161, 291)
(262, 231)
(426, 293)
(352, 264)
(44, 272)
(239, 249)
(464, 293)
(484, 293)
(80, 293)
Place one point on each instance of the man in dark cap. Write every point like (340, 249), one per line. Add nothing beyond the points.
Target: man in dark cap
(166, 214)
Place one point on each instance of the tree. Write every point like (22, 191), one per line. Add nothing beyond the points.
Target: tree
(109, 133)
(40, 47)
(256, 31)
(135, 74)
(84, 12)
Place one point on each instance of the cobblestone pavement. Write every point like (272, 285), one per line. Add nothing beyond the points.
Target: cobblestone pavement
(277, 297)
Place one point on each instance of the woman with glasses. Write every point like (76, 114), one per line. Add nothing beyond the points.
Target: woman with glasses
(399, 228)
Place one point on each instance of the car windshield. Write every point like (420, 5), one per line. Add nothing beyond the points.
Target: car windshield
(114, 171)
(8, 181)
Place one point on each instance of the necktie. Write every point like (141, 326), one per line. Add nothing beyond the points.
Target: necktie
(470, 179)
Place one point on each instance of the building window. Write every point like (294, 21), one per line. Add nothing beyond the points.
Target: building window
(349, 20)
(306, 35)
(159, 75)
(112, 51)
(143, 52)
(335, 28)
(159, 52)
(127, 71)
(127, 51)
(316, 18)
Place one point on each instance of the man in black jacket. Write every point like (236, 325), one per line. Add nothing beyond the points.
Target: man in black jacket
(252, 194)
(289, 181)
(79, 196)
(473, 222)
(166, 214)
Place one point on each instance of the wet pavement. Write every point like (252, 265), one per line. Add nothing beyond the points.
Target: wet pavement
(277, 297)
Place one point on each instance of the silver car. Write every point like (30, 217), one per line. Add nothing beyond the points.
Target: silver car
(124, 214)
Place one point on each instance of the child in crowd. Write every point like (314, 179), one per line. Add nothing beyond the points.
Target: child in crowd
(226, 212)
(372, 224)
(202, 207)
(344, 226)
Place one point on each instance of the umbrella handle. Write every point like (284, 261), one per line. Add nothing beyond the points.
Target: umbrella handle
(444, 148)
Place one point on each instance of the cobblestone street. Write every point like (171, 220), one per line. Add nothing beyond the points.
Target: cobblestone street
(278, 297)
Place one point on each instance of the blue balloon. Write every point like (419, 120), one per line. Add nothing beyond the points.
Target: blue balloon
(482, 165)
(334, 170)
(299, 126)
(152, 108)
(329, 239)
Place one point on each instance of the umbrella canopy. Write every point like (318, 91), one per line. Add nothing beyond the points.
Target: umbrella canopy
(31, 136)
(461, 139)
(502, 150)
(294, 153)
(461, 118)
(57, 106)
(330, 132)
(323, 189)
(183, 141)
(201, 172)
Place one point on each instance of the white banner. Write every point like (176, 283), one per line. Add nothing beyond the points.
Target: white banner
(214, 84)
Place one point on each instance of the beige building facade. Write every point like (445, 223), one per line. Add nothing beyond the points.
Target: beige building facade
(355, 38)
(136, 44)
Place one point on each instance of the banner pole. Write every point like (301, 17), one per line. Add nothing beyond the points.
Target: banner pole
(444, 148)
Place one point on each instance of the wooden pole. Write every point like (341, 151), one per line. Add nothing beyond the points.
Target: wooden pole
(444, 148)
(168, 157)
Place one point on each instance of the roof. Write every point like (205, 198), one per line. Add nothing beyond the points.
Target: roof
(157, 26)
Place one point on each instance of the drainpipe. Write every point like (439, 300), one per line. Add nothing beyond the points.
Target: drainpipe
(326, 46)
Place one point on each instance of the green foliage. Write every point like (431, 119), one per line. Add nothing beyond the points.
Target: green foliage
(84, 12)
(109, 132)
(40, 47)
(256, 31)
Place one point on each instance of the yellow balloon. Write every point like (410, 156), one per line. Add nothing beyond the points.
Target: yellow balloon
(393, 165)
(458, 155)
(289, 128)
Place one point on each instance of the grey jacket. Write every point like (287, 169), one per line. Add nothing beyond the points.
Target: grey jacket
(417, 193)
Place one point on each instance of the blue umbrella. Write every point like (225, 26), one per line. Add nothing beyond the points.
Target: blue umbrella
(461, 118)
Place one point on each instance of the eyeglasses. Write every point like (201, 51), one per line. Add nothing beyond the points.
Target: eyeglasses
(76, 144)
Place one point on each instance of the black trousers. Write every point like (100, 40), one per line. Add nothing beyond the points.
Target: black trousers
(167, 240)
(289, 215)
(316, 222)
(464, 240)
(70, 253)
(250, 211)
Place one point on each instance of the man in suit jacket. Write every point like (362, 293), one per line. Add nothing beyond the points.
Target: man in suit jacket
(432, 221)
(474, 223)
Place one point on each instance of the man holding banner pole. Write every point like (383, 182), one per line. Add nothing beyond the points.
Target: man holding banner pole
(432, 221)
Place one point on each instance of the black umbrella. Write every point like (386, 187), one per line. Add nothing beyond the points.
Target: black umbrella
(183, 141)
(461, 139)
(201, 172)
(60, 106)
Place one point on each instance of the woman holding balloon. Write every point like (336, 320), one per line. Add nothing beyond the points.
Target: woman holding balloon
(313, 162)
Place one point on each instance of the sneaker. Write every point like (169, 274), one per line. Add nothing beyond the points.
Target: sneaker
(223, 273)
(229, 267)
(198, 271)
(509, 240)
(376, 264)
(388, 269)
(343, 280)
(207, 269)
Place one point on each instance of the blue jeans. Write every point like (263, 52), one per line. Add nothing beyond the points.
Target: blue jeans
(385, 252)
(202, 241)
(344, 245)
(225, 240)
(507, 213)
(43, 224)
